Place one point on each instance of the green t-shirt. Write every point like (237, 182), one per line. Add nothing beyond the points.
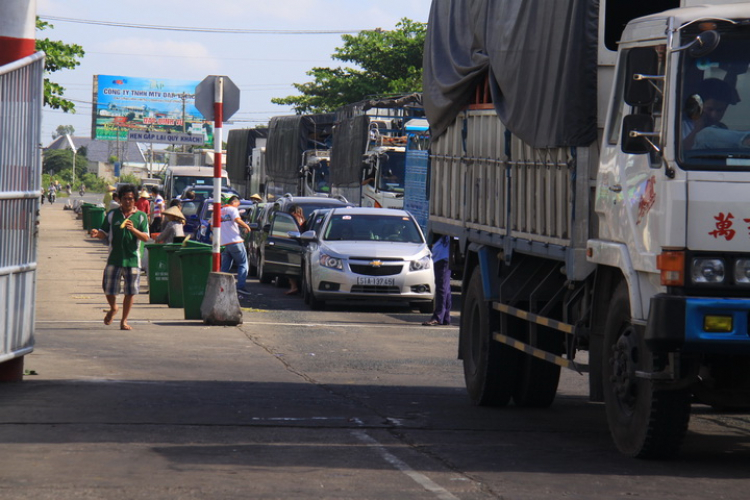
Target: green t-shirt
(123, 245)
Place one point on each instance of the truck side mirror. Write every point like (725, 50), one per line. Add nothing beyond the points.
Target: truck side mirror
(636, 130)
(641, 62)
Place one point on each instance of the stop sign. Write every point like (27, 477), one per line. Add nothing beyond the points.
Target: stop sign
(205, 96)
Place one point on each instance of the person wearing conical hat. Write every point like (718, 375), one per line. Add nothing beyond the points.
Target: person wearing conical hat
(175, 219)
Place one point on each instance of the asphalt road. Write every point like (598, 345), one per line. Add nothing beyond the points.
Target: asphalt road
(357, 401)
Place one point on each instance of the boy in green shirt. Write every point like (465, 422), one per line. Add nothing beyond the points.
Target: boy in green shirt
(126, 228)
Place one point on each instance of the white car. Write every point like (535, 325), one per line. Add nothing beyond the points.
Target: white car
(368, 253)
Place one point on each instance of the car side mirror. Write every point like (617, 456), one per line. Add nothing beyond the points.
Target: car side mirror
(293, 234)
(267, 228)
(253, 226)
(308, 235)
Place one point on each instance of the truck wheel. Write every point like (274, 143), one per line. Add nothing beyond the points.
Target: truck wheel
(263, 276)
(537, 384)
(489, 366)
(644, 422)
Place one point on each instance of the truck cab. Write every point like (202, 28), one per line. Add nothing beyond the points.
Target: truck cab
(384, 167)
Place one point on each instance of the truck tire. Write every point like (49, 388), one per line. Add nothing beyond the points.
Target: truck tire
(644, 422)
(538, 379)
(489, 367)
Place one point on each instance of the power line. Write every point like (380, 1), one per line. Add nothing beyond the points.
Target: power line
(202, 30)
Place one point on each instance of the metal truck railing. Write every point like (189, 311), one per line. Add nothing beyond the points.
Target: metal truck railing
(21, 101)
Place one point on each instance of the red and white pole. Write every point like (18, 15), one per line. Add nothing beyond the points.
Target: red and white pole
(17, 29)
(218, 120)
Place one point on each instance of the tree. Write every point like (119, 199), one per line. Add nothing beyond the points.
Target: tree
(56, 161)
(59, 56)
(390, 62)
(62, 130)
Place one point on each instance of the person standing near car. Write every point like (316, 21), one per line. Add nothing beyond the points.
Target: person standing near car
(142, 203)
(233, 242)
(125, 227)
(442, 269)
(299, 217)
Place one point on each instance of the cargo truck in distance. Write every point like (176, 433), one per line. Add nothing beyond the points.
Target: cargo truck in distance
(369, 150)
(297, 155)
(597, 175)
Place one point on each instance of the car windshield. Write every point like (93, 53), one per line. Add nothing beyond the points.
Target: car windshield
(183, 181)
(714, 117)
(393, 167)
(372, 227)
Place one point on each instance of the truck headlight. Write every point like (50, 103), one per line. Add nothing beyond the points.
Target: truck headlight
(331, 262)
(707, 270)
(742, 271)
(420, 264)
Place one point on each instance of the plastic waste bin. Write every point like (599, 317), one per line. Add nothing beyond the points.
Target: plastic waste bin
(174, 282)
(158, 274)
(196, 265)
(96, 217)
(85, 215)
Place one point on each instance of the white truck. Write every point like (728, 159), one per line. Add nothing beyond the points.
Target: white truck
(21, 101)
(593, 160)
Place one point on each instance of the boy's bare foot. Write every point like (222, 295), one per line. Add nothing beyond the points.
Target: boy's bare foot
(125, 326)
(110, 316)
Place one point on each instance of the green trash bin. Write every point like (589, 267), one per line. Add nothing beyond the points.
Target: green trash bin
(85, 216)
(175, 272)
(96, 217)
(158, 274)
(196, 265)
(174, 281)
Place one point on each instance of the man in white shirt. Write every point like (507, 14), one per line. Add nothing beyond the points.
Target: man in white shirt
(233, 242)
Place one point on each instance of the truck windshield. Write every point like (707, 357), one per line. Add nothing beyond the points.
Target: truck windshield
(392, 169)
(714, 102)
(183, 181)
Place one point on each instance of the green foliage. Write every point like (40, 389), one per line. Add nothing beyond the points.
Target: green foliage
(55, 161)
(390, 62)
(130, 179)
(59, 56)
(62, 130)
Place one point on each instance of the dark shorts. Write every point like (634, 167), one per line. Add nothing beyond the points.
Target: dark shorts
(112, 276)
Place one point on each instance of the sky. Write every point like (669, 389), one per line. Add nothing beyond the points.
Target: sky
(262, 65)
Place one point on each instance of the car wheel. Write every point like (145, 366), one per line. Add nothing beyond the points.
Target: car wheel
(263, 277)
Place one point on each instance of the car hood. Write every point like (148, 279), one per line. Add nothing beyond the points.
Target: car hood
(375, 249)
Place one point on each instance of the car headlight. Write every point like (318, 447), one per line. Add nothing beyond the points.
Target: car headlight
(420, 264)
(331, 262)
(742, 271)
(707, 270)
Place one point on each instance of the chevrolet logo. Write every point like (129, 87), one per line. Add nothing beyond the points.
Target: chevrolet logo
(376, 263)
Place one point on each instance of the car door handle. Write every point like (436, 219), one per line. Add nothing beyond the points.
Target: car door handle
(616, 188)
(271, 243)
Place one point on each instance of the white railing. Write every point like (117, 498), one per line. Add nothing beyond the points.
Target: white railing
(21, 101)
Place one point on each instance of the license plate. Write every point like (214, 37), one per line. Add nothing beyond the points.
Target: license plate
(370, 280)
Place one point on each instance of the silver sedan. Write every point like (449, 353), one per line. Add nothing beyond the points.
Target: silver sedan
(368, 253)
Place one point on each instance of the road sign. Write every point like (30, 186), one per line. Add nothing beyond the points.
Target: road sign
(204, 97)
(177, 138)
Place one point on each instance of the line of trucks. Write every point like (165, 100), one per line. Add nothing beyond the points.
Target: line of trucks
(358, 153)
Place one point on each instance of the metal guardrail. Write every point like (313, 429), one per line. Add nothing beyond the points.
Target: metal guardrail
(21, 101)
